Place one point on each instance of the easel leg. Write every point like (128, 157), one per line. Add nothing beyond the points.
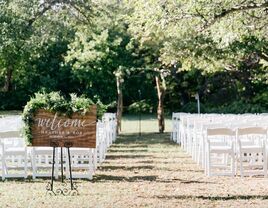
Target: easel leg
(53, 164)
(70, 168)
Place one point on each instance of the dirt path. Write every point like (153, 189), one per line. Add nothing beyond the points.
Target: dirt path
(153, 172)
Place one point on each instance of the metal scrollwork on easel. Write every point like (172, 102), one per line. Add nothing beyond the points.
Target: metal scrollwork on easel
(64, 190)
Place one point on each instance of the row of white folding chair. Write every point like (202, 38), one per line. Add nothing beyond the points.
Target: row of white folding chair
(188, 128)
(17, 158)
(196, 141)
(197, 144)
(198, 138)
(90, 159)
(41, 157)
(245, 145)
(174, 126)
(186, 125)
(175, 134)
(102, 143)
(110, 122)
(81, 159)
(186, 134)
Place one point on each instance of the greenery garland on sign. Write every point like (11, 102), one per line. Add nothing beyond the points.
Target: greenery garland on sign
(55, 102)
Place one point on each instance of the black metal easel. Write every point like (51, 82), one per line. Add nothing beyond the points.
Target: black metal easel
(50, 185)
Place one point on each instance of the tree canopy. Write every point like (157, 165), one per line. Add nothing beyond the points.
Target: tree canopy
(215, 48)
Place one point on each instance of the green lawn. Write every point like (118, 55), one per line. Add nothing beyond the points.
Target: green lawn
(130, 124)
(146, 171)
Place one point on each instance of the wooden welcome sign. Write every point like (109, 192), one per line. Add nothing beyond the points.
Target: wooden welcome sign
(51, 129)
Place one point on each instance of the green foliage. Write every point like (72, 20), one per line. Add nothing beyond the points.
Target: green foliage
(14, 100)
(238, 107)
(191, 107)
(140, 107)
(55, 102)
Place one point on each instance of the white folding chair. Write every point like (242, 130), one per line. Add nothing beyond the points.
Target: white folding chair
(41, 160)
(101, 143)
(220, 145)
(81, 163)
(14, 155)
(252, 150)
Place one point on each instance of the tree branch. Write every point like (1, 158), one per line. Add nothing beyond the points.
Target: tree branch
(235, 9)
(42, 10)
(263, 56)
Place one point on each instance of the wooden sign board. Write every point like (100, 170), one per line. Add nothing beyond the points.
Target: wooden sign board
(52, 129)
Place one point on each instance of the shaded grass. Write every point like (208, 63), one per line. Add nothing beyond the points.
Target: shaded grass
(114, 167)
(215, 198)
(106, 178)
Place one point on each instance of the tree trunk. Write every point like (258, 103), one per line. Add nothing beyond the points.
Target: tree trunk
(8, 84)
(161, 90)
(119, 102)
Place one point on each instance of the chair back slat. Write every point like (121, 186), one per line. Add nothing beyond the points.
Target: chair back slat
(251, 130)
(220, 131)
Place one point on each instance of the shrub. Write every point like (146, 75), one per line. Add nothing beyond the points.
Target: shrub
(238, 107)
(140, 106)
(191, 107)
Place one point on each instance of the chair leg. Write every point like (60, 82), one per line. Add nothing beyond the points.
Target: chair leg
(241, 164)
(3, 168)
(4, 171)
(199, 152)
(90, 163)
(208, 164)
(225, 159)
(264, 162)
(204, 161)
(25, 163)
(33, 162)
(233, 163)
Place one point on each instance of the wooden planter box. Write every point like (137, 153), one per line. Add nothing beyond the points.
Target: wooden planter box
(52, 129)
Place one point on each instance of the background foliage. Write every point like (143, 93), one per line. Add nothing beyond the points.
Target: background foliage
(218, 49)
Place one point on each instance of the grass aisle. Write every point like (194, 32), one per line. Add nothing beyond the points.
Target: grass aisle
(151, 171)
(146, 171)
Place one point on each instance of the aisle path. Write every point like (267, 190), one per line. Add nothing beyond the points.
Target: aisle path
(151, 157)
(151, 171)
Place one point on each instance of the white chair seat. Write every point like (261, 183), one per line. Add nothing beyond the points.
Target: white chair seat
(15, 150)
(220, 149)
(256, 149)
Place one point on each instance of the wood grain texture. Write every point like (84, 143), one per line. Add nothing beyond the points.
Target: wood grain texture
(52, 129)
